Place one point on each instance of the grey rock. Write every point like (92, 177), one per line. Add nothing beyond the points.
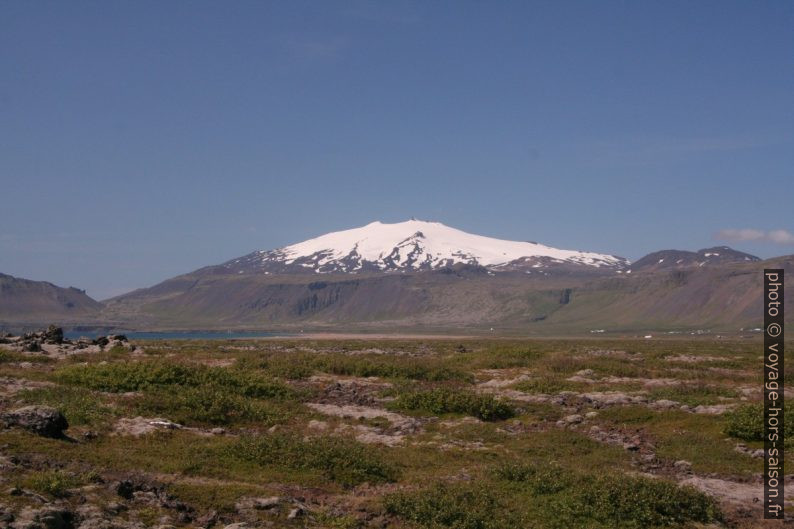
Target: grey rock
(665, 404)
(207, 520)
(42, 420)
(48, 517)
(257, 503)
(115, 507)
(53, 334)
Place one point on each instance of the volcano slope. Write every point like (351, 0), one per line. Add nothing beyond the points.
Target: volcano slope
(566, 300)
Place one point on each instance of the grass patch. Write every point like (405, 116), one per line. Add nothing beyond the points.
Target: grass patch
(549, 386)
(399, 367)
(301, 365)
(338, 459)
(209, 405)
(747, 422)
(7, 357)
(55, 483)
(575, 499)
(439, 401)
(462, 506)
(220, 496)
(545, 479)
(503, 357)
(148, 375)
(79, 406)
(692, 394)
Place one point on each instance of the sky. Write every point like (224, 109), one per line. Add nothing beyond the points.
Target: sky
(141, 140)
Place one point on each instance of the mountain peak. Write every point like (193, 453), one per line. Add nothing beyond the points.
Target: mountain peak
(411, 245)
(672, 259)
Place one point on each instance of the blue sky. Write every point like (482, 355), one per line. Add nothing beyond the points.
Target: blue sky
(140, 140)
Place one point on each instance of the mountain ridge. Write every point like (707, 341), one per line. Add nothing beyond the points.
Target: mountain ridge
(23, 300)
(323, 283)
(421, 275)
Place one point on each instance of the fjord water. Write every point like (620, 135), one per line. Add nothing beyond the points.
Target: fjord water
(176, 335)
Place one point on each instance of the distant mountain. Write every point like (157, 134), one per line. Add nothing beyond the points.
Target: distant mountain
(422, 275)
(409, 246)
(675, 259)
(26, 301)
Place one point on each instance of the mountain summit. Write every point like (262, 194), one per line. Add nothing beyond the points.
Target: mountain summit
(410, 245)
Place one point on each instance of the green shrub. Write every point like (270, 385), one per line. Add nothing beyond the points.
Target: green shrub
(293, 366)
(747, 422)
(146, 375)
(692, 394)
(462, 506)
(639, 502)
(430, 369)
(11, 356)
(614, 500)
(53, 482)
(448, 400)
(338, 459)
(79, 406)
(546, 479)
(299, 365)
(547, 385)
(212, 405)
(505, 357)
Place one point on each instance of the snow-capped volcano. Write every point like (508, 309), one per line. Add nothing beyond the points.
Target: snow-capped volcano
(411, 245)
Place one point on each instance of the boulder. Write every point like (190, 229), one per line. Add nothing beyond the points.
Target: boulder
(41, 420)
(32, 347)
(257, 503)
(47, 517)
(53, 334)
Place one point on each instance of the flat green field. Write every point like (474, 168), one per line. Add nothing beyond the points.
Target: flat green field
(420, 433)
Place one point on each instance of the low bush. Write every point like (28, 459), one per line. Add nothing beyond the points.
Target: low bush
(548, 385)
(462, 506)
(56, 483)
(147, 375)
(7, 357)
(301, 365)
(211, 405)
(546, 479)
(505, 357)
(79, 406)
(338, 459)
(450, 400)
(692, 394)
(612, 500)
(638, 502)
(747, 422)
(429, 369)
